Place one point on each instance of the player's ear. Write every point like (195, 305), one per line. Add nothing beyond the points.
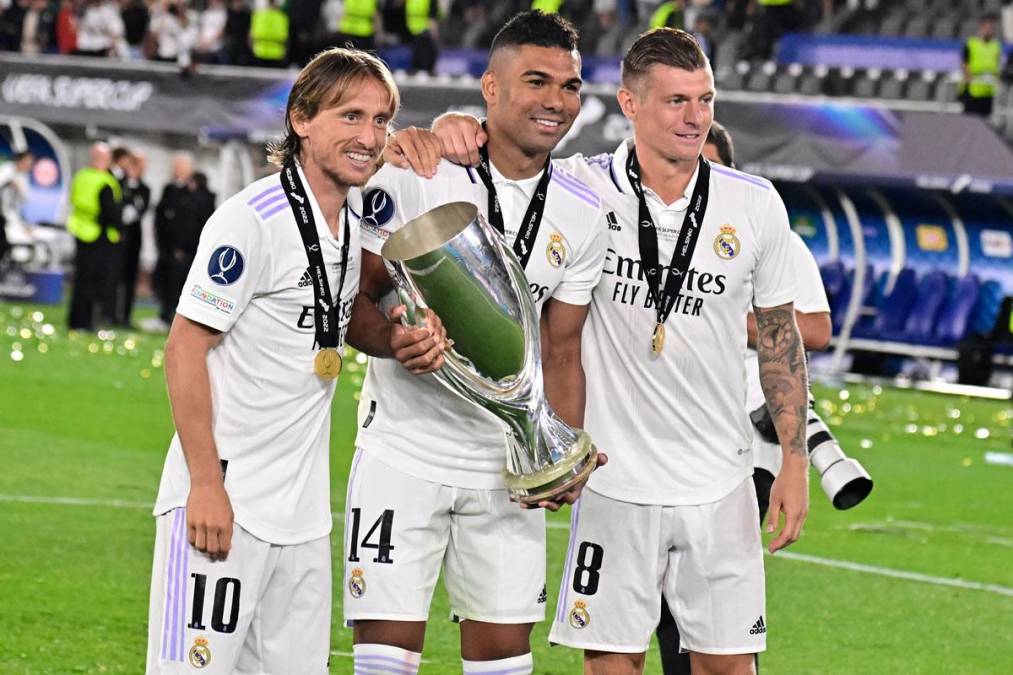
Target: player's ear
(490, 87)
(627, 102)
(299, 123)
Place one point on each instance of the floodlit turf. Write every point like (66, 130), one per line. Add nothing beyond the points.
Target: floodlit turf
(87, 419)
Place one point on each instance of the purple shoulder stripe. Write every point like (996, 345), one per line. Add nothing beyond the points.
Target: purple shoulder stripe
(590, 199)
(745, 177)
(270, 202)
(269, 191)
(264, 215)
(576, 187)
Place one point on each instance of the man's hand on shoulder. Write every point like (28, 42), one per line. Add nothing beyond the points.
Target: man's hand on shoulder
(413, 148)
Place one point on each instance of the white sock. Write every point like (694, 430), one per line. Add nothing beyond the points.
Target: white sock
(515, 665)
(375, 659)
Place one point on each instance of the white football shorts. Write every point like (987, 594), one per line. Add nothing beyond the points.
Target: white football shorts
(400, 530)
(707, 560)
(264, 609)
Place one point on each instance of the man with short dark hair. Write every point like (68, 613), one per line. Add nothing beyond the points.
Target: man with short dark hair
(428, 470)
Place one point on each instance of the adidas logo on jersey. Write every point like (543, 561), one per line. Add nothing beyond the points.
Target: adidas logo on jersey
(306, 280)
(613, 222)
(758, 628)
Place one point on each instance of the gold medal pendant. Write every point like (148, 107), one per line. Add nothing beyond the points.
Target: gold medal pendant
(327, 364)
(658, 339)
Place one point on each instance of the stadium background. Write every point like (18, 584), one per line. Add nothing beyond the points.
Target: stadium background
(898, 194)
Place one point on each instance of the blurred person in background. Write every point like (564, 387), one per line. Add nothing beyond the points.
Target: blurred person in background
(173, 32)
(135, 17)
(136, 199)
(11, 20)
(95, 197)
(304, 29)
(38, 29)
(360, 24)
(771, 19)
(237, 33)
(981, 59)
(421, 20)
(13, 193)
(170, 217)
(66, 27)
(100, 30)
(210, 45)
(269, 35)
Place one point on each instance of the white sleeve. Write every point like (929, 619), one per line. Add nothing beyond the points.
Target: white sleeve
(811, 297)
(392, 197)
(584, 269)
(233, 263)
(774, 278)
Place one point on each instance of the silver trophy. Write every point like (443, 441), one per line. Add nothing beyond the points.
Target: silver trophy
(451, 261)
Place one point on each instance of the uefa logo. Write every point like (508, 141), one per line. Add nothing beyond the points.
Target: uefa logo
(377, 207)
(225, 266)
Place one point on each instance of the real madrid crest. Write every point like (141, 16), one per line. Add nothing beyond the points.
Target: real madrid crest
(556, 251)
(579, 616)
(200, 653)
(726, 244)
(357, 583)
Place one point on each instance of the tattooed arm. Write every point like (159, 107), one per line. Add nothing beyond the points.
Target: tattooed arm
(783, 379)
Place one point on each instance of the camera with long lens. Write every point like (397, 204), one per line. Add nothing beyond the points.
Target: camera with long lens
(843, 479)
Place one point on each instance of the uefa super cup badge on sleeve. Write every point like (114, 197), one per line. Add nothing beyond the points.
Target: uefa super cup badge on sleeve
(451, 261)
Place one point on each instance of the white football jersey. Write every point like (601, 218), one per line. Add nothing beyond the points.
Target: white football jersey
(270, 412)
(415, 423)
(673, 424)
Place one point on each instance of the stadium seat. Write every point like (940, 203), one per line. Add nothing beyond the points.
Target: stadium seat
(944, 28)
(867, 84)
(954, 321)
(893, 87)
(921, 88)
(839, 307)
(893, 308)
(811, 82)
(986, 310)
(893, 25)
(921, 321)
(836, 284)
(917, 27)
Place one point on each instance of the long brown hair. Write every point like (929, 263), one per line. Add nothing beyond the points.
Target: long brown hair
(327, 81)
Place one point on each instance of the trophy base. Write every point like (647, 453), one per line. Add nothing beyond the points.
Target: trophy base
(556, 479)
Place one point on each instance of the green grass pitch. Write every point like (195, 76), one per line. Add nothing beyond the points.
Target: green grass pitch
(84, 425)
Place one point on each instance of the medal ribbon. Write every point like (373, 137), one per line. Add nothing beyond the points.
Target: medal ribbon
(325, 314)
(532, 217)
(684, 245)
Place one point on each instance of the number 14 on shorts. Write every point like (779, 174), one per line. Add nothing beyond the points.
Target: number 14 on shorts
(385, 524)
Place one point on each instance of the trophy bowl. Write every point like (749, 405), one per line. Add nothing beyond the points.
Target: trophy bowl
(451, 261)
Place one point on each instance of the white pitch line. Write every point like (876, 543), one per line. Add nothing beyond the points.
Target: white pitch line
(896, 574)
(556, 525)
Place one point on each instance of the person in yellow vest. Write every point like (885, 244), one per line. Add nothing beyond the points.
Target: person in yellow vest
(667, 14)
(547, 6)
(95, 197)
(421, 18)
(360, 24)
(982, 61)
(269, 35)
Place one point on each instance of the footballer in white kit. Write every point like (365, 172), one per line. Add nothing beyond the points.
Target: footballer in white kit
(675, 513)
(241, 576)
(426, 487)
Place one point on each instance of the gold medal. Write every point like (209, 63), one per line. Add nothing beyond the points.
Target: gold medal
(327, 364)
(658, 339)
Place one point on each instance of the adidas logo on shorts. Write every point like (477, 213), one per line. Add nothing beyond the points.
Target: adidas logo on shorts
(306, 280)
(758, 628)
(543, 596)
